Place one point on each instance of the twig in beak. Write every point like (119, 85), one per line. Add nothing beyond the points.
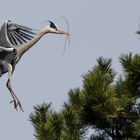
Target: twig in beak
(67, 37)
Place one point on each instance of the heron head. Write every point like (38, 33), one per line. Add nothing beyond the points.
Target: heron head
(53, 28)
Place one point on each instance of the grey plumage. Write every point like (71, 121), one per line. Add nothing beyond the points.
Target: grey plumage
(11, 36)
(15, 40)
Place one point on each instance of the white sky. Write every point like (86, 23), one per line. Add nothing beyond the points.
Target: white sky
(98, 28)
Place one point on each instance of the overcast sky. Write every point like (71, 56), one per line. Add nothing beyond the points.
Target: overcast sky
(98, 28)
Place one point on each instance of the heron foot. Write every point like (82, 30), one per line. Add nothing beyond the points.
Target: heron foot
(16, 104)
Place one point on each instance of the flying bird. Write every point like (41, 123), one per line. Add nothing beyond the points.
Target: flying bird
(15, 40)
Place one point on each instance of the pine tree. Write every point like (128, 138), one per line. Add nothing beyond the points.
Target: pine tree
(108, 106)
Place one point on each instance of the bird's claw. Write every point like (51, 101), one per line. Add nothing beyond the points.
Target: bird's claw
(16, 104)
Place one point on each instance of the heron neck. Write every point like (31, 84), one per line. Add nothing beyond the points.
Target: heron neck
(25, 47)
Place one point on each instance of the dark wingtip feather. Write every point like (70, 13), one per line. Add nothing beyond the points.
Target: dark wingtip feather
(19, 34)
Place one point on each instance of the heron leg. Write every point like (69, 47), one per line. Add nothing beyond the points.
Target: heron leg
(15, 99)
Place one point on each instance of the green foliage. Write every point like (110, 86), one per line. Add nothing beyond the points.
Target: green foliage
(131, 67)
(136, 126)
(106, 105)
(39, 119)
(72, 126)
(100, 100)
(47, 124)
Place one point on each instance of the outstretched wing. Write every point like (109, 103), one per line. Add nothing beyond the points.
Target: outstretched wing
(13, 35)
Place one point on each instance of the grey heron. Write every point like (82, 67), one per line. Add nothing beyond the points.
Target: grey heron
(15, 40)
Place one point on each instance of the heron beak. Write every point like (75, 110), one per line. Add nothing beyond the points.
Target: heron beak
(62, 32)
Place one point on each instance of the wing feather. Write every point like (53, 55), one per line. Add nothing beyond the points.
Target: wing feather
(17, 38)
(25, 35)
(14, 38)
(13, 35)
(10, 38)
(21, 37)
